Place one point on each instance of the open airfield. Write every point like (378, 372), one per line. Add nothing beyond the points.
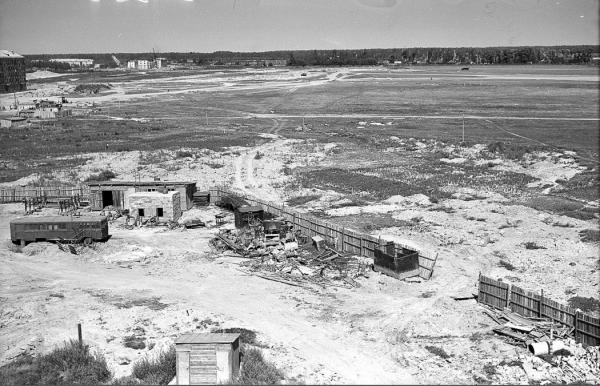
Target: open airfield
(375, 149)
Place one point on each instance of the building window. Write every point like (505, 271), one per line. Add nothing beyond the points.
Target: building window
(141, 212)
(151, 190)
(159, 212)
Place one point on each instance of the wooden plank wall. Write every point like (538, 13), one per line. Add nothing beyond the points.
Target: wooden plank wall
(345, 240)
(498, 294)
(18, 193)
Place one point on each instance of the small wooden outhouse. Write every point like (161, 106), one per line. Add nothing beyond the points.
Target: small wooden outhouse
(207, 359)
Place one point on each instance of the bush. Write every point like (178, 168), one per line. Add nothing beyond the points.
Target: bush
(71, 364)
(505, 264)
(104, 175)
(134, 342)
(183, 154)
(255, 370)
(438, 351)
(300, 200)
(590, 235)
(258, 155)
(585, 304)
(157, 371)
(532, 245)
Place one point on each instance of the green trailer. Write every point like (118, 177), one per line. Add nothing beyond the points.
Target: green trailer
(75, 229)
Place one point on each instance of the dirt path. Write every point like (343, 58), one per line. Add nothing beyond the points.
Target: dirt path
(300, 339)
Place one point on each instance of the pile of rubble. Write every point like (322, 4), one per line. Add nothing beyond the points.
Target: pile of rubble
(554, 355)
(287, 262)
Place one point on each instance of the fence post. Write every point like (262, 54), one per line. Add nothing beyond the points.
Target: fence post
(575, 319)
(79, 334)
(343, 241)
(508, 293)
(479, 288)
(541, 302)
(360, 241)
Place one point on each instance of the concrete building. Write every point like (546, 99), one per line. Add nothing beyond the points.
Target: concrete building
(75, 62)
(116, 193)
(207, 359)
(165, 206)
(12, 72)
(143, 64)
(160, 62)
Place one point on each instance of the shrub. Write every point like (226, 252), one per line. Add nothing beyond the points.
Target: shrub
(157, 371)
(134, 342)
(255, 370)
(104, 175)
(258, 155)
(585, 304)
(71, 364)
(532, 245)
(505, 264)
(300, 200)
(590, 235)
(438, 351)
(183, 154)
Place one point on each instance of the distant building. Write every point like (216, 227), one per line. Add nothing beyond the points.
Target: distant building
(46, 109)
(75, 62)
(12, 72)
(8, 122)
(143, 64)
(160, 62)
(131, 64)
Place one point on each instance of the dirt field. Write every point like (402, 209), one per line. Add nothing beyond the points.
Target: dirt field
(380, 152)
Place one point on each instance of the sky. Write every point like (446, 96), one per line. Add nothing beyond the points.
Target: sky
(109, 26)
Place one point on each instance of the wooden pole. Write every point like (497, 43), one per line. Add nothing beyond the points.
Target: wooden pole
(508, 292)
(541, 302)
(79, 334)
(575, 319)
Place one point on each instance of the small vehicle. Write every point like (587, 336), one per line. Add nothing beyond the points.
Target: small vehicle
(74, 229)
(303, 74)
(190, 224)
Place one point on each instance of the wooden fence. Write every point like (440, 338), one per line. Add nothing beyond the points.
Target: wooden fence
(345, 240)
(501, 295)
(18, 193)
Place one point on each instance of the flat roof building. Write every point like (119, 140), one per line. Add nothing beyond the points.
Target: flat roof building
(116, 193)
(12, 72)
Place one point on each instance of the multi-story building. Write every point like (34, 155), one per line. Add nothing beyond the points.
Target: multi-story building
(12, 72)
(143, 64)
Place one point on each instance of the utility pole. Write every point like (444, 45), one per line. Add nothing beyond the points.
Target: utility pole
(463, 128)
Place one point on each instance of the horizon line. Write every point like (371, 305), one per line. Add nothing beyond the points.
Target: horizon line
(312, 49)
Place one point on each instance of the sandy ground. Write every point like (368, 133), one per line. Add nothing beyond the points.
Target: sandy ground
(158, 284)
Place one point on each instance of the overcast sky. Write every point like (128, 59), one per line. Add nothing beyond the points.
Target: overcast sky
(76, 26)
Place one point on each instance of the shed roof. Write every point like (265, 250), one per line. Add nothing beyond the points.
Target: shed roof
(55, 219)
(13, 119)
(207, 338)
(139, 183)
(153, 194)
(250, 209)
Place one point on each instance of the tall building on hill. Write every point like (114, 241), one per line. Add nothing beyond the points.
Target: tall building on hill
(12, 72)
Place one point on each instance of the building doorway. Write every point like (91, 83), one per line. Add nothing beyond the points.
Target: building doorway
(107, 198)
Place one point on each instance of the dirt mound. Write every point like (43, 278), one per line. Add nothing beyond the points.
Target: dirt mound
(40, 248)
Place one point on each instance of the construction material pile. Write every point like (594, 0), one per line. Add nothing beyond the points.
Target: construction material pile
(521, 330)
(555, 357)
(287, 262)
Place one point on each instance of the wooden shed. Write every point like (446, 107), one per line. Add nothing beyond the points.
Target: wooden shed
(207, 359)
(116, 193)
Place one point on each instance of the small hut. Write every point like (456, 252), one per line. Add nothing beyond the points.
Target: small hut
(207, 359)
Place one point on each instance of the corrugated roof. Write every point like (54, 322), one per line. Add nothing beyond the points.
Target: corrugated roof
(9, 54)
(207, 338)
(138, 183)
(61, 219)
(153, 194)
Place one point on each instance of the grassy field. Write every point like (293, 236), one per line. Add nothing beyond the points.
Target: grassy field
(179, 119)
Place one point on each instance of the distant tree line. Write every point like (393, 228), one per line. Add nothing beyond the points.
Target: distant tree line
(581, 54)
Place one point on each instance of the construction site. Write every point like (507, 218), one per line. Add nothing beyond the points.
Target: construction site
(356, 221)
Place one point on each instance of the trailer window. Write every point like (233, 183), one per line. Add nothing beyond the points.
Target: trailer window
(52, 227)
(141, 212)
(159, 212)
